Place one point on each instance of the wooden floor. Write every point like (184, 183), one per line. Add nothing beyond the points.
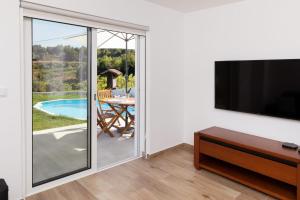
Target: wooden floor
(168, 176)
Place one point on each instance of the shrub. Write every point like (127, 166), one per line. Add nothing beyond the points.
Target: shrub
(121, 82)
(101, 83)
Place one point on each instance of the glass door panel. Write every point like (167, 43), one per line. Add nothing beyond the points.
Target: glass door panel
(116, 89)
(60, 99)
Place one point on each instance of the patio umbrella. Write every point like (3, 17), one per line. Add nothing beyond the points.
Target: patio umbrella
(111, 39)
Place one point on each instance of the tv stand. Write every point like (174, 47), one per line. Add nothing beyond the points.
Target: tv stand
(256, 162)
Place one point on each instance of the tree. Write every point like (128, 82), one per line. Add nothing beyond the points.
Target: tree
(115, 58)
(130, 61)
(104, 63)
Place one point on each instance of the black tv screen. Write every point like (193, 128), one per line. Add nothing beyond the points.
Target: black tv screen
(265, 87)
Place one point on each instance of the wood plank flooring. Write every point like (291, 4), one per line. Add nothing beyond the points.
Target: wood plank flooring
(168, 176)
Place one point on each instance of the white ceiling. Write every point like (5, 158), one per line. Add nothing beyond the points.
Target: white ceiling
(191, 5)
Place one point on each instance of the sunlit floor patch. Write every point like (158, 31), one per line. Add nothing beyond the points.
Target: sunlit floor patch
(59, 135)
(79, 149)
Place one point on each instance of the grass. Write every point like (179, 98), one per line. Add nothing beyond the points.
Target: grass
(42, 120)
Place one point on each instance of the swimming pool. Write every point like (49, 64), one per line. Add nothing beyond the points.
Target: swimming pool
(74, 108)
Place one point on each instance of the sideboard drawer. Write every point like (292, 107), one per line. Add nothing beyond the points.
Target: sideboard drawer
(276, 170)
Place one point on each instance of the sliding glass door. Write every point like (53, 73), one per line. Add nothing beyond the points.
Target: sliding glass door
(60, 100)
(68, 68)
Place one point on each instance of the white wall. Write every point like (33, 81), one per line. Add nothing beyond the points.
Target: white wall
(165, 74)
(251, 29)
(10, 134)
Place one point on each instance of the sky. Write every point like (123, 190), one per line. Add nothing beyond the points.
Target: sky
(46, 33)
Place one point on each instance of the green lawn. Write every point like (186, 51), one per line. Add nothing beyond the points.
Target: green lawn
(42, 120)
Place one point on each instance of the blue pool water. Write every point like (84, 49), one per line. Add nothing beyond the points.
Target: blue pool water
(74, 108)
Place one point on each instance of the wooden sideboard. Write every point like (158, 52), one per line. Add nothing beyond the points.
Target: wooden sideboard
(256, 162)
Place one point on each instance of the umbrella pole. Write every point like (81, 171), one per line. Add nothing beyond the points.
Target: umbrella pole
(126, 65)
(126, 75)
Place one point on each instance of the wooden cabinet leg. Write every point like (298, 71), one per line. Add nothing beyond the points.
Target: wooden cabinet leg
(197, 151)
(298, 182)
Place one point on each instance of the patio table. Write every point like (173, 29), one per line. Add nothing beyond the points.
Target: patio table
(120, 106)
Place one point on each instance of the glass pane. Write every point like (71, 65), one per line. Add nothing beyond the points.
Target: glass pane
(60, 100)
(116, 97)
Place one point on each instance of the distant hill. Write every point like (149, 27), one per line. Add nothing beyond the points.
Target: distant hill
(64, 68)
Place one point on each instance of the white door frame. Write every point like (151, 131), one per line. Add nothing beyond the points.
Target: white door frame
(140, 70)
(26, 70)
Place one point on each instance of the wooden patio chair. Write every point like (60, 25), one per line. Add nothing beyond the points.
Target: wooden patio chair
(104, 94)
(106, 119)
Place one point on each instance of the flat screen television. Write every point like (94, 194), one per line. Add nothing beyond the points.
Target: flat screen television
(265, 87)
